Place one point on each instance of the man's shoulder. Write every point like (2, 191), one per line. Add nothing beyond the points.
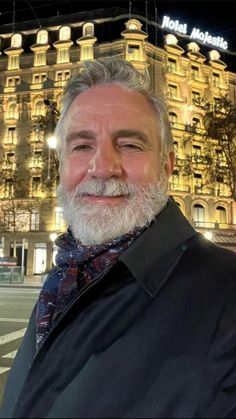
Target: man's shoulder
(213, 257)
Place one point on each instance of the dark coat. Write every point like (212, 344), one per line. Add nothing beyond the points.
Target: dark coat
(155, 337)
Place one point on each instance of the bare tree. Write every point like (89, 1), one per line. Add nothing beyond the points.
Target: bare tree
(215, 159)
(220, 125)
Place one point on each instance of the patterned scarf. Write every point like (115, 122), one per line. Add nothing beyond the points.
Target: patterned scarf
(76, 266)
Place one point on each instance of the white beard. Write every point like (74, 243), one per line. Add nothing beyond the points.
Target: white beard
(97, 223)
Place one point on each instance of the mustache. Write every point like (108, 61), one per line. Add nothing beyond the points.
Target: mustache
(110, 187)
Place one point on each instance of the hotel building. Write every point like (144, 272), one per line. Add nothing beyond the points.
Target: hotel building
(35, 64)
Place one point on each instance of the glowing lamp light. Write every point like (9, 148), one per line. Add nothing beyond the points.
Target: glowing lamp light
(53, 237)
(208, 235)
(52, 142)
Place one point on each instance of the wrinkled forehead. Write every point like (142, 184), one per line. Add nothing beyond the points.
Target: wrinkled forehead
(111, 101)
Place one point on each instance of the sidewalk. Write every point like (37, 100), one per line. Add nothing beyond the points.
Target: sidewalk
(30, 281)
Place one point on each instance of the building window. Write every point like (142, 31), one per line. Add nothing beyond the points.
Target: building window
(215, 79)
(39, 78)
(13, 62)
(173, 119)
(195, 72)
(217, 103)
(9, 162)
(86, 52)
(173, 91)
(10, 157)
(12, 81)
(193, 47)
(88, 29)
(196, 98)
(221, 188)
(63, 55)
(196, 124)
(133, 52)
(172, 65)
(62, 75)
(196, 150)
(42, 37)
(198, 180)
(220, 157)
(171, 39)
(199, 215)
(175, 181)
(40, 58)
(9, 188)
(65, 33)
(11, 135)
(39, 108)
(221, 215)
(16, 40)
(12, 111)
(34, 220)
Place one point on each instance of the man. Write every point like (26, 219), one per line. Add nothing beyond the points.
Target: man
(138, 317)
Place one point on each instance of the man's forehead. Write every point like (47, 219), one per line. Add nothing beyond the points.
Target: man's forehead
(104, 100)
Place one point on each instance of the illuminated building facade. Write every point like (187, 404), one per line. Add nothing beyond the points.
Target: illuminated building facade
(35, 65)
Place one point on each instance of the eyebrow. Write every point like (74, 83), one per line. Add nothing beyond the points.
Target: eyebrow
(83, 134)
(91, 135)
(130, 133)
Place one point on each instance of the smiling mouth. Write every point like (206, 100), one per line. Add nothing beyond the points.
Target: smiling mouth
(104, 198)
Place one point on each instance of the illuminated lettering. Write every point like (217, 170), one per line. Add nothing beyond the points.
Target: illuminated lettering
(204, 37)
(174, 25)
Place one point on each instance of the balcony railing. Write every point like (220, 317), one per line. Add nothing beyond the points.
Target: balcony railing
(213, 225)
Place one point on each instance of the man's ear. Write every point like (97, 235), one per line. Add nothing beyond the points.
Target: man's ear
(170, 163)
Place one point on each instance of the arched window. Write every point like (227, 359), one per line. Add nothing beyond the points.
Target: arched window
(221, 215)
(64, 33)
(171, 39)
(133, 25)
(39, 108)
(12, 110)
(196, 124)
(214, 55)
(16, 40)
(88, 29)
(42, 37)
(199, 215)
(193, 47)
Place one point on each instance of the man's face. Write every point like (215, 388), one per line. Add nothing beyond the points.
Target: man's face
(112, 138)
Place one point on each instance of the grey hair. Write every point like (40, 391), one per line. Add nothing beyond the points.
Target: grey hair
(119, 72)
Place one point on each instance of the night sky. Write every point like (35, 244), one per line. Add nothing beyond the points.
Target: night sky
(215, 16)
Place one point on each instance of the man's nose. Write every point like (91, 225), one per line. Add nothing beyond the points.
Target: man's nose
(105, 163)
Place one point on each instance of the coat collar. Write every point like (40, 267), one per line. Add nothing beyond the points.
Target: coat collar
(153, 255)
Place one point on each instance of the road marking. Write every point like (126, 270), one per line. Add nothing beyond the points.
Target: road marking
(6, 319)
(4, 369)
(9, 337)
(10, 355)
(19, 291)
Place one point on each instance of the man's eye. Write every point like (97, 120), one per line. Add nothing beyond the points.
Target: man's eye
(81, 147)
(131, 146)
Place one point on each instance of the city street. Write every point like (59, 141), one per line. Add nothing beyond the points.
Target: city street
(16, 304)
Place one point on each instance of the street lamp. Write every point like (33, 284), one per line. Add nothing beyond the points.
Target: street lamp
(53, 237)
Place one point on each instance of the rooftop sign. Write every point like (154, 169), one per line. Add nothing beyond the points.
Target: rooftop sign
(196, 33)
